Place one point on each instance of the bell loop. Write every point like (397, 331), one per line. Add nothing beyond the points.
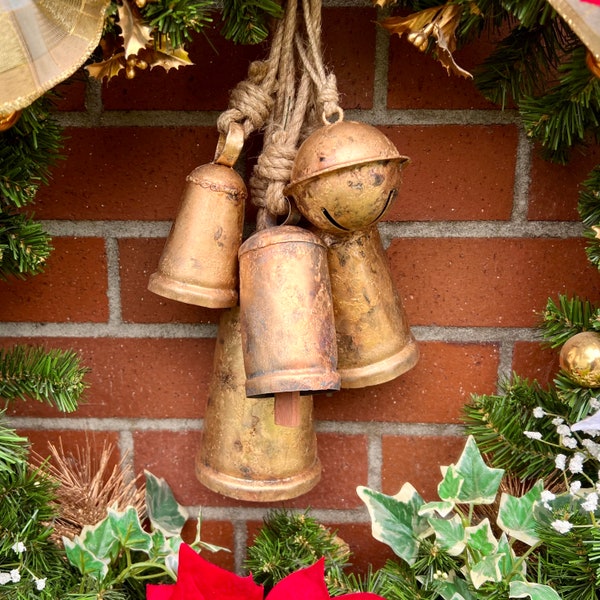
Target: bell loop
(229, 145)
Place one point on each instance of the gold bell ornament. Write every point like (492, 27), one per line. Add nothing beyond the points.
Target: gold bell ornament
(199, 262)
(245, 454)
(345, 178)
(580, 358)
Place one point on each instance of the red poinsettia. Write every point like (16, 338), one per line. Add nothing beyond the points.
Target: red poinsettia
(198, 579)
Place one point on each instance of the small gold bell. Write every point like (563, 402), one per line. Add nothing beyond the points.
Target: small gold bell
(345, 176)
(244, 453)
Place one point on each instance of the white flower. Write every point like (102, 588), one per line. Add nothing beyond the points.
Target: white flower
(19, 547)
(568, 442)
(5, 578)
(575, 487)
(539, 412)
(562, 526)
(576, 463)
(547, 496)
(591, 502)
(592, 447)
(594, 403)
(557, 421)
(560, 462)
(40, 584)
(15, 576)
(563, 430)
(533, 435)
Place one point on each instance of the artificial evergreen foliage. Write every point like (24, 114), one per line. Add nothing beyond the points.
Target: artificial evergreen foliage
(247, 21)
(565, 318)
(589, 211)
(289, 541)
(54, 376)
(13, 449)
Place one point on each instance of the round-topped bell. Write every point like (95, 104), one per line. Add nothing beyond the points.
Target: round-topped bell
(346, 176)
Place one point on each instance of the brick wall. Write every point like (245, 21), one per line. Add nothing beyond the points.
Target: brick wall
(483, 233)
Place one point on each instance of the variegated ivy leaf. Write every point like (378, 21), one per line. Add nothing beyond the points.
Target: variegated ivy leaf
(449, 534)
(510, 566)
(441, 508)
(536, 591)
(481, 539)
(395, 520)
(487, 569)
(128, 530)
(480, 483)
(516, 517)
(100, 540)
(85, 560)
(164, 512)
(454, 588)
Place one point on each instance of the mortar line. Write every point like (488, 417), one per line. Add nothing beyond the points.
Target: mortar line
(113, 291)
(240, 543)
(374, 460)
(505, 364)
(522, 178)
(381, 68)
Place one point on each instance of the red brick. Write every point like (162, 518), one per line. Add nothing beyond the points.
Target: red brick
(124, 172)
(488, 282)
(417, 460)
(534, 362)
(138, 260)
(349, 53)
(456, 172)
(71, 93)
(343, 458)
(72, 288)
(418, 80)
(219, 533)
(554, 189)
(145, 378)
(415, 396)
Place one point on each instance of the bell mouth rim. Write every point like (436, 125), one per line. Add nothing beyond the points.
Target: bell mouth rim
(293, 185)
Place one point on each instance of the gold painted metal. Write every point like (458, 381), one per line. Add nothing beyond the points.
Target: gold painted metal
(199, 263)
(244, 453)
(8, 120)
(374, 341)
(346, 176)
(288, 332)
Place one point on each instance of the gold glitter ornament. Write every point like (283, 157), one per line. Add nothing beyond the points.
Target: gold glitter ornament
(580, 359)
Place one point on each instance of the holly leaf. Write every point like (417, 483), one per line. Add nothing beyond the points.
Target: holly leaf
(167, 58)
(516, 516)
(436, 25)
(135, 34)
(395, 520)
(536, 591)
(108, 68)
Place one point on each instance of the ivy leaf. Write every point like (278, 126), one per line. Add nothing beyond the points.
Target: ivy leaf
(449, 534)
(100, 540)
(536, 591)
(516, 517)
(487, 569)
(509, 566)
(441, 508)
(480, 538)
(164, 512)
(135, 34)
(128, 530)
(455, 588)
(449, 488)
(480, 482)
(84, 560)
(395, 520)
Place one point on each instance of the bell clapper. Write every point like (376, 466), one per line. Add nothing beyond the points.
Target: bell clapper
(287, 409)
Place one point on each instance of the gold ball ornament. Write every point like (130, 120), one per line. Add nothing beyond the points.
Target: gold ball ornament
(345, 176)
(580, 359)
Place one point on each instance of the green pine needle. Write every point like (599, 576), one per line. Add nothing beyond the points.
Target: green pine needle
(53, 376)
(13, 447)
(247, 21)
(570, 316)
(589, 211)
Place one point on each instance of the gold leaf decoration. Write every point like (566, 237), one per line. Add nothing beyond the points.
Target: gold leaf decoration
(107, 68)
(167, 58)
(136, 35)
(438, 25)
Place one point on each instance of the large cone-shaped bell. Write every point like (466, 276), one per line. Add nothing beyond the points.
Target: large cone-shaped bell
(373, 338)
(288, 332)
(244, 454)
(199, 262)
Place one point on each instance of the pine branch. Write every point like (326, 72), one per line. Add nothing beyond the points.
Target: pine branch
(24, 246)
(589, 211)
(175, 20)
(247, 21)
(27, 152)
(570, 316)
(53, 376)
(13, 447)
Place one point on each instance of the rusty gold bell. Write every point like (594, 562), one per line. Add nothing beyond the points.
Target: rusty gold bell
(374, 341)
(345, 176)
(286, 313)
(199, 262)
(244, 453)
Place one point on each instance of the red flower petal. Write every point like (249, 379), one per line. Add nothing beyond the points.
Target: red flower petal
(159, 592)
(305, 584)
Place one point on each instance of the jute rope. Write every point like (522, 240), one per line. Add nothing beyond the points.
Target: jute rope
(288, 98)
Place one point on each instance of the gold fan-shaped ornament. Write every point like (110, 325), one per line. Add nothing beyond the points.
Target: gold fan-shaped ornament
(42, 42)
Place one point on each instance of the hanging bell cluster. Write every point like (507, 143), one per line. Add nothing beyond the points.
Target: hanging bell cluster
(317, 312)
